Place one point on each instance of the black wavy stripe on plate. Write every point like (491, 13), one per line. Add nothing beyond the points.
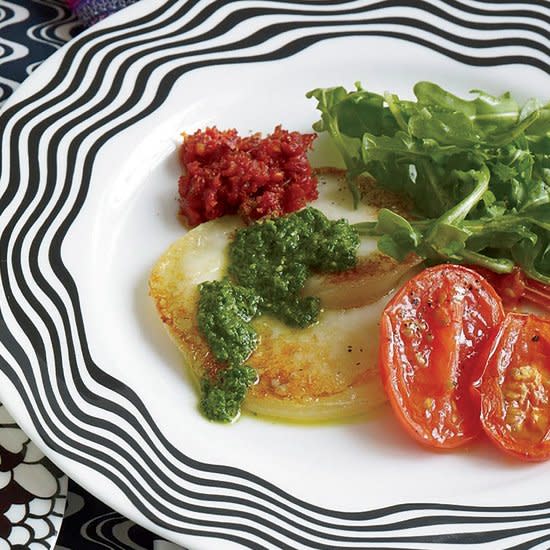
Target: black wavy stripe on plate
(480, 7)
(35, 26)
(149, 493)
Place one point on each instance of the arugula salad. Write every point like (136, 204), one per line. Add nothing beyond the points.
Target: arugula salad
(477, 172)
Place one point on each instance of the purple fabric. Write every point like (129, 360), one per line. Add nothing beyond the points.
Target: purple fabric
(92, 11)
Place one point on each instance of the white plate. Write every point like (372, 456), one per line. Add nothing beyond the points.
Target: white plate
(88, 180)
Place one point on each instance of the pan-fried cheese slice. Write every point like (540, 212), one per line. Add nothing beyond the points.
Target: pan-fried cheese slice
(326, 371)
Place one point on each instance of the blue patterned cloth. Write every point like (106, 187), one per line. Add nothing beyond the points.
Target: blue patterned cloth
(31, 31)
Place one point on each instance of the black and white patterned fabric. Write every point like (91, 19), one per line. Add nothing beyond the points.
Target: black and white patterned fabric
(30, 31)
(89, 524)
(32, 491)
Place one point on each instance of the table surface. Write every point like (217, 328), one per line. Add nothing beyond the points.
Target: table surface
(31, 31)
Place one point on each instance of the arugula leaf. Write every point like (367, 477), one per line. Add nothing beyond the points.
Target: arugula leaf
(532, 257)
(346, 117)
(444, 128)
(398, 237)
(477, 171)
(486, 111)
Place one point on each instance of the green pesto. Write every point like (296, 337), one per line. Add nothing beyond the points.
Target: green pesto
(225, 312)
(222, 397)
(274, 258)
(269, 263)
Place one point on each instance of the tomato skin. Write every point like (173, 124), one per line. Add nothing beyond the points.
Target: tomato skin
(516, 287)
(431, 335)
(515, 388)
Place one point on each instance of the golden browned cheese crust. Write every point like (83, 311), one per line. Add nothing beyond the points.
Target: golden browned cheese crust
(328, 370)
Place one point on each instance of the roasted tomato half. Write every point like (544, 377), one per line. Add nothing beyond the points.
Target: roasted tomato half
(432, 334)
(515, 387)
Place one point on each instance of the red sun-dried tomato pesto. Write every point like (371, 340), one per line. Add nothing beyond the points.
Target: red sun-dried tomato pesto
(252, 176)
